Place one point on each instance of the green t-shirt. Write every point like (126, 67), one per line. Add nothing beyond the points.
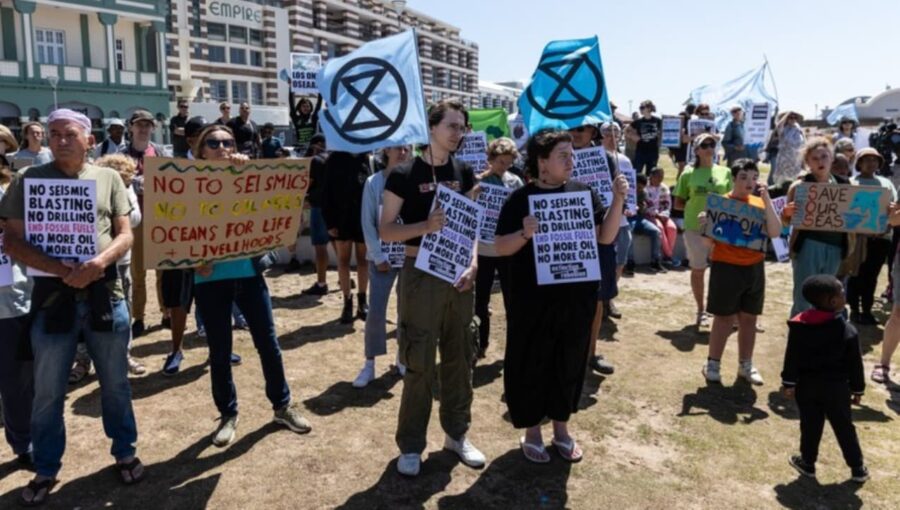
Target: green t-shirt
(693, 187)
(112, 200)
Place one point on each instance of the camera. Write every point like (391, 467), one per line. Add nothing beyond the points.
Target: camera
(887, 142)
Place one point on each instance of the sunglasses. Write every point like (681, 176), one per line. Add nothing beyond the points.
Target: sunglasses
(707, 145)
(213, 143)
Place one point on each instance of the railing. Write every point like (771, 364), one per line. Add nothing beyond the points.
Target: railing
(148, 80)
(94, 75)
(11, 69)
(16, 70)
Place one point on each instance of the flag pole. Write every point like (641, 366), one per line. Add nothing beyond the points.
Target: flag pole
(772, 76)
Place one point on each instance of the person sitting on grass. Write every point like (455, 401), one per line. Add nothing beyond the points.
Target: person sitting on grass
(660, 210)
(642, 224)
(823, 370)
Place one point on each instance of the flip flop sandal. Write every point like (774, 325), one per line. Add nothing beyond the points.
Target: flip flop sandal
(40, 492)
(566, 450)
(534, 453)
(127, 471)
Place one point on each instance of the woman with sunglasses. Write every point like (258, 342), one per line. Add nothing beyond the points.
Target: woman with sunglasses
(220, 284)
(788, 163)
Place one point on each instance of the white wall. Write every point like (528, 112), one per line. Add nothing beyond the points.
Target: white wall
(125, 30)
(97, 41)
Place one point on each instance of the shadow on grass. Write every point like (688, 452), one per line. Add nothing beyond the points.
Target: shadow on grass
(484, 375)
(296, 301)
(869, 336)
(686, 338)
(787, 409)
(805, 493)
(315, 333)
(590, 390)
(342, 395)
(510, 481)
(727, 405)
(393, 490)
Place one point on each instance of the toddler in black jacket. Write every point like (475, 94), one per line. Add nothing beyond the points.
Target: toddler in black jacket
(822, 368)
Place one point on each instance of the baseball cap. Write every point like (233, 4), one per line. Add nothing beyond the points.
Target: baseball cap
(141, 115)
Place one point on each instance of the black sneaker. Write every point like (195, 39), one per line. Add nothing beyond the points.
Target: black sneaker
(612, 310)
(26, 460)
(137, 329)
(867, 319)
(293, 266)
(656, 266)
(347, 314)
(803, 467)
(859, 474)
(629, 268)
(362, 311)
(601, 366)
(316, 290)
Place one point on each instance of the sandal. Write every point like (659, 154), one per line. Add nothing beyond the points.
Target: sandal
(533, 452)
(881, 374)
(132, 472)
(568, 450)
(40, 491)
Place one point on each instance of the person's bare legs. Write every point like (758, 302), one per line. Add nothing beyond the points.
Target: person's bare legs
(697, 288)
(321, 263)
(344, 250)
(718, 335)
(746, 335)
(891, 335)
(561, 435)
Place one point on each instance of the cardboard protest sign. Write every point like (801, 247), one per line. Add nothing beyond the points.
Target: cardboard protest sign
(60, 216)
(735, 222)
(473, 151)
(395, 251)
(671, 131)
(841, 208)
(757, 125)
(491, 198)
(197, 212)
(304, 67)
(565, 244)
(781, 244)
(699, 126)
(591, 168)
(627, 170)
(6, 276)
(447, 253)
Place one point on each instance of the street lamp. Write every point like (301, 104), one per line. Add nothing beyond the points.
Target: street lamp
(54, 81)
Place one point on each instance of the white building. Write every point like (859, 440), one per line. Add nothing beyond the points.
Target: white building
(500, 95)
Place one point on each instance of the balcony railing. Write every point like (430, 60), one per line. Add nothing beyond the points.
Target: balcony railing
(12, 70)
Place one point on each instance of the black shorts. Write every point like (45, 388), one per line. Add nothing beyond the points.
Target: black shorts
(734, 289)
(679, 154)
(608, 286)
(177, 288)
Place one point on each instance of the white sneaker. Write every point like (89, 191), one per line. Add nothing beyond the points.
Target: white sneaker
(366, 375)
(468, 454)
(711, 371)
(750, 373)
(408, 464)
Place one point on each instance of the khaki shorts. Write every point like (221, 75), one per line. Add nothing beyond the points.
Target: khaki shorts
(697, 249)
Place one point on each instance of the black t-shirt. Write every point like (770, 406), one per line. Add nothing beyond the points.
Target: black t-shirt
(523, 272)
(649, 131)
(414, 183)
(179, 142)
(245, 135)
(315, 191)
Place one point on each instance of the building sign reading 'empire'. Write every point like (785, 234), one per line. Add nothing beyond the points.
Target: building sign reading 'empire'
(233, 10)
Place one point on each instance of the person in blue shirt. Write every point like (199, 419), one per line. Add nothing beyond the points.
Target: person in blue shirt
(271, 147)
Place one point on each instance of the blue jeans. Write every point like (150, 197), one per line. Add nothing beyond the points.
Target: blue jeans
(623, 244)
(214, 301)
(16, 386)
(813, 258)
(643, 226)
(53, 355)
(380, 285)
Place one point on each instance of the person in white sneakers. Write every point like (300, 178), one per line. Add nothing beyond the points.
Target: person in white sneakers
(383, 269)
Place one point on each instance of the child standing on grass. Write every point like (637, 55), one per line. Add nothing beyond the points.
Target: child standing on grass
(822, 368)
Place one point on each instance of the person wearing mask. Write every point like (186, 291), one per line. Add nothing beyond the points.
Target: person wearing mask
(217, 287)
(84, 299)
(434, 314)
(788, 164)
(305, 119)
(246, 132)
(733, 137)
(180, 145)
(31, 148)
(115, 140)
(646, 133)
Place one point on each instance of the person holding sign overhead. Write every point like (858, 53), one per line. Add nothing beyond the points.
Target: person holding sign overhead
(434, 314)
(549, 326)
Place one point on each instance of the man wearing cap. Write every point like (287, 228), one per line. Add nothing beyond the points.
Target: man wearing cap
(733, 137)
(80, 298)
(176, 128)
(115, 139)
(246, 132)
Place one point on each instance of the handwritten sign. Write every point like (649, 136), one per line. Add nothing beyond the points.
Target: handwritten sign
(627, 170)
(735, 222)
(395, 251)
(491, 198)
(841, 208)
(700, 126)
(473, 151)
(565, 244)
(447, 253)
(6, 275)
(592, 168)
(205, 211)
(671, 132)
(304, 67)
(60, 219)
(757, 124)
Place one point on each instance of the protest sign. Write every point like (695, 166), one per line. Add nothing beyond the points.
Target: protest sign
(395, 251)
(447, 253)
(565, 244)
(627, 170)
(591, 168)
(197, 212)
(671, 131)
(735, 222)
(841, 208)
(473, 151)
(699, 126)
(781, 244)
(60, 217)
(304, 67)
(6, 276)
(491, 198)
(757, 124)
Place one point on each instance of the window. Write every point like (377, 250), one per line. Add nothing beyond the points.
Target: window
(198, 52)
(217, 54)
(256, 58)
(215, 31)
(120, 54)
(237, 34)
(256, 37)
(218, 90)
(238, 91)
(238, 56)
(257, 93)
(51, 46)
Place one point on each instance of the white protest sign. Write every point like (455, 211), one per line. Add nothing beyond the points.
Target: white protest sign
(565, 244)
(6, 276)
(861, 138)
(780, 244)
(304, 67)
(474, 151)
(491, 198)
(395, 251)
(699, 126)
(447, 253)
(627, 170)
(756, 129)
(671, 131)
(591, 168)
(60, 218)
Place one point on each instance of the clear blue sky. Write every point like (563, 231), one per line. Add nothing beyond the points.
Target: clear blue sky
(820, 51)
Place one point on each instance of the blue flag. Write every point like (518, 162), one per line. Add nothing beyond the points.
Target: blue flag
(567, 89)
(744, 91)
(374, 96)
(843, 111)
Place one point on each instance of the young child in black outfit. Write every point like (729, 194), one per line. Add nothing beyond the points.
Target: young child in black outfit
(822, 367)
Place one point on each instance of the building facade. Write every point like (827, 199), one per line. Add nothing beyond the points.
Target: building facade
(100, 58)
(500, 95)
